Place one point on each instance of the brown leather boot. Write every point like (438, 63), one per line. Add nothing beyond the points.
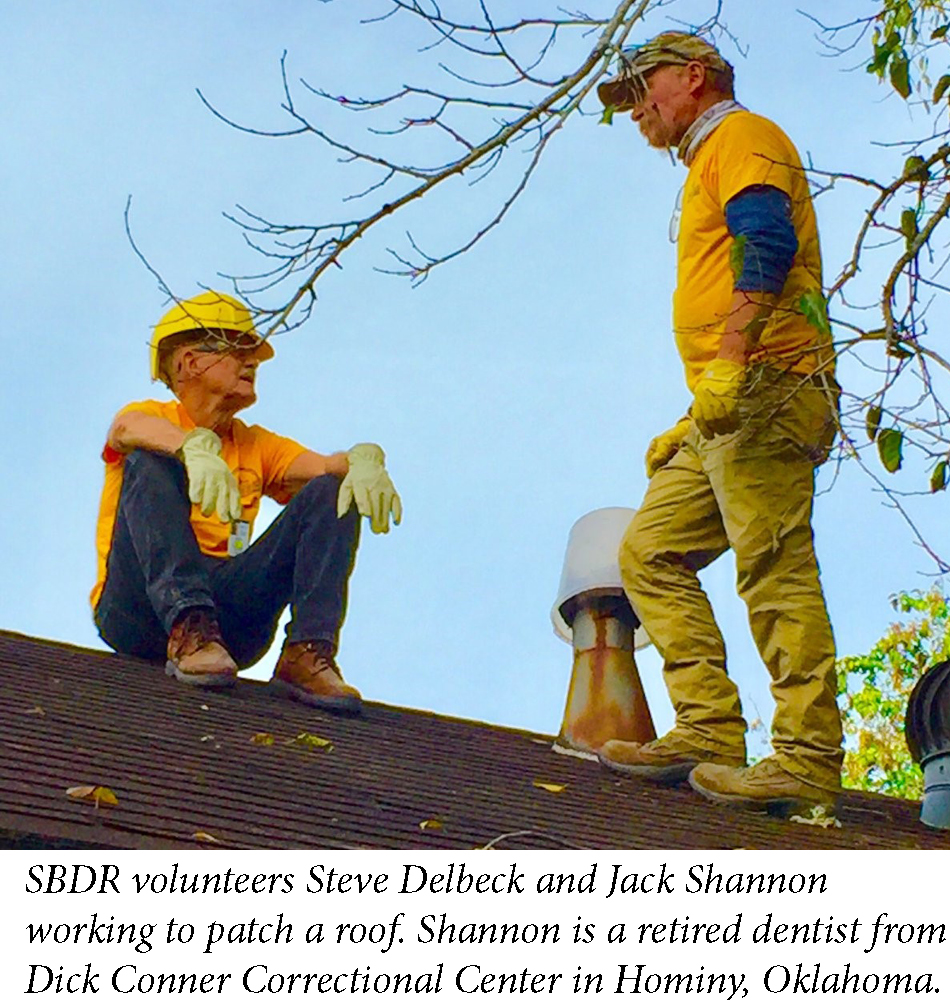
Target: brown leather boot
(666, 760)
(307, 672)
(764, 786)
(196, 653)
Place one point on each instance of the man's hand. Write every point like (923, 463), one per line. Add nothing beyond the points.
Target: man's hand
(368, 483)
(716, 397)
(210, 482)
(664, 446)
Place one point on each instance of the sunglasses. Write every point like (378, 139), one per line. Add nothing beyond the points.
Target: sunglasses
(635, 78)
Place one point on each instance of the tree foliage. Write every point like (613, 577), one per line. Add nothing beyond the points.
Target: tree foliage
(902, 240)
(490, 85)
(873, 690)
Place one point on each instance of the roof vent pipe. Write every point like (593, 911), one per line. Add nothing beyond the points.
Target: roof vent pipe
(927, 731)
(605, 700)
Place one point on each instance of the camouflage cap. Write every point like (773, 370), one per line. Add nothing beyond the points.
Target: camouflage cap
(671, 48)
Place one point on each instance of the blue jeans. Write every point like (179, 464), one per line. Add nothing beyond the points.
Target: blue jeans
(155, 569)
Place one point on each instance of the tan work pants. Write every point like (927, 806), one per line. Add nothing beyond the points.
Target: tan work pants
(750, 491)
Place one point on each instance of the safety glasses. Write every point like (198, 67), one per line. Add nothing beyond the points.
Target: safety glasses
(229, 340)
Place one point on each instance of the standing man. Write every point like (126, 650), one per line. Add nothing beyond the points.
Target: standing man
(738, 470)
(178, 580)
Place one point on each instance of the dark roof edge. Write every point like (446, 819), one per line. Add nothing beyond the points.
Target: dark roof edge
(20, 831)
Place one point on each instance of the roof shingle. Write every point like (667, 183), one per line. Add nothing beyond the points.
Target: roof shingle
(184, 762)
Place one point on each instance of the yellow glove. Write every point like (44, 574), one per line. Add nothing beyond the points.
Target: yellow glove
(716, 398)
(368, 483)
(210, 482)
(664, 446)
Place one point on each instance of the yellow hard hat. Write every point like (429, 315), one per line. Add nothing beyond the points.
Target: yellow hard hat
(215, 312)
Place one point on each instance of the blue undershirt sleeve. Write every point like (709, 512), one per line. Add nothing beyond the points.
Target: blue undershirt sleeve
(763, 215)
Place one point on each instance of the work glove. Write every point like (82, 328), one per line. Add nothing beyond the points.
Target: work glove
(210, 482)
(716, 398)
(368, 483)
(664, 446)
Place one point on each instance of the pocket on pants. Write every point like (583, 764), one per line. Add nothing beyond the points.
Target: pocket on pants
(786, 413)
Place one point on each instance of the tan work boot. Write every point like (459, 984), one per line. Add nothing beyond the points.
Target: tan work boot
(196, 653)
(763, 786)
(307, 672)
(666, 760)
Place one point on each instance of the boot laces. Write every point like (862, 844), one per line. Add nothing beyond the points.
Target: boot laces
(194, 629)
(322, 658)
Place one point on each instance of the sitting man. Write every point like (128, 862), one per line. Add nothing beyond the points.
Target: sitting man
(177, 578)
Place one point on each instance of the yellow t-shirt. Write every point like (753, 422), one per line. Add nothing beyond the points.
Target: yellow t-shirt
(745, 150)
(258, 458)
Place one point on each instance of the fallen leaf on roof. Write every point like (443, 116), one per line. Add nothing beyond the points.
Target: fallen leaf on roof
(263, 739)
(207, 739)
(35, 710)
(98, 794)
(81, 791)
(431, 824)
(204, 708)
(549, 786)
(205, 838)
(311, 741)
(819, 816)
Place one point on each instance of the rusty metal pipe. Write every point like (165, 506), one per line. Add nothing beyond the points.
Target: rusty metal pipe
(605, 700)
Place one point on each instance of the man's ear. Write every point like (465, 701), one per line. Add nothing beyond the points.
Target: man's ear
(186, 363)
(696, 77)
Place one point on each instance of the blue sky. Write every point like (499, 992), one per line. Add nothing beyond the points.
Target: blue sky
(514, 391)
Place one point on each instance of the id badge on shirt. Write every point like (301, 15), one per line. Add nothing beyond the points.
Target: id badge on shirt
(240, 537)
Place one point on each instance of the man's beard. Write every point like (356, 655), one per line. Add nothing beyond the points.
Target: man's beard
(662, 136)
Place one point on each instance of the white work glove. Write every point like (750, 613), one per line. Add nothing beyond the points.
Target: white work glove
(368, 483)
(211, 484)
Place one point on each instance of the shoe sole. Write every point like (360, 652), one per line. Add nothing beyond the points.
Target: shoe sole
(669, 774)
(781, 806)
(221, 680)
(345, 705)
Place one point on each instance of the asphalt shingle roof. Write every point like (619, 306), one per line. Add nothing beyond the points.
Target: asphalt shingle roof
(185, 767)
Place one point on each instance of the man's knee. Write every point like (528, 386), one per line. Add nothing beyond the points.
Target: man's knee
(144, 464)
(774, 558)
(321, 493)
(320, 490)
(638, 551)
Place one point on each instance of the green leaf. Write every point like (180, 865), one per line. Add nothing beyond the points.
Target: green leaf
(890, 445)
(879, 63)
(815, 310)
(607, 118)
(737, 256)
(909, 226)
(883, 50)
(938, 478)
(914, 169)
(873, 421)
(941, 87)
(900, 75)
(939, 32)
